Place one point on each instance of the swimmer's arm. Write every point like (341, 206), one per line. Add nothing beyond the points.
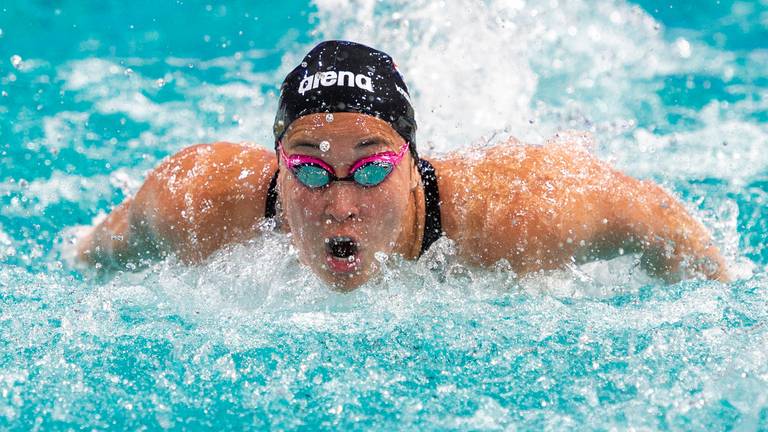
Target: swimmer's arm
(613, 213)
(115, 243)
(646, 219)
(543, 207)
(194, 203)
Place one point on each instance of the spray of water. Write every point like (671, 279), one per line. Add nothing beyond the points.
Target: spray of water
(251, 335)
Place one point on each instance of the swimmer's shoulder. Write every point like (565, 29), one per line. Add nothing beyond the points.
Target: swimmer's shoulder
(486, 171)
(206, 195)
(214, 170)
(507, 191)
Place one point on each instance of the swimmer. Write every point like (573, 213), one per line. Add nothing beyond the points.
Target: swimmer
(346, 181)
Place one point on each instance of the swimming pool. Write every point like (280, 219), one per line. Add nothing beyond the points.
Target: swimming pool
(94, 94)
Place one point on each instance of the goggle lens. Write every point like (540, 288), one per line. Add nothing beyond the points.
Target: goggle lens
(373, 173)
(312, 175)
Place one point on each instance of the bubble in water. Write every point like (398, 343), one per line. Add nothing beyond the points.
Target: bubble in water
(1, 32)
(329, 117)
(381, 257)
(128, 72)
(325, 146)
(303, 64)
(159, 83)
(683, 47)
(16, 61)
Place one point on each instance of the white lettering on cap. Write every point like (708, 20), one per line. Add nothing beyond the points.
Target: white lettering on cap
(364, 82)
(328, 78)
(350, 77)
(340, 78)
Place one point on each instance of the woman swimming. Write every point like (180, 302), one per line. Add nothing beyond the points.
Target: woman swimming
(346, 182)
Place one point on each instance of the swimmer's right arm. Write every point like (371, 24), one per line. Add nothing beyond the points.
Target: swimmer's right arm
(113, 243)
(195, 202)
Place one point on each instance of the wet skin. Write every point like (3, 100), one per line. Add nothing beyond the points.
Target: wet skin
(538, 207)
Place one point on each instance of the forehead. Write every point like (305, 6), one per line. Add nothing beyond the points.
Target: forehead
(340, 126)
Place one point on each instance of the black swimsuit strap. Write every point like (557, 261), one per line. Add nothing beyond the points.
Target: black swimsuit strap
(270, 208)
(433, 227)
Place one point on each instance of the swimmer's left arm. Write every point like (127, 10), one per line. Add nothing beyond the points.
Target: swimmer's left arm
(624, 214)
(673, 244)
(544, 207)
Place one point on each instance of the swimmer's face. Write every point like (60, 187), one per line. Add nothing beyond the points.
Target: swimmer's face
(377, 219)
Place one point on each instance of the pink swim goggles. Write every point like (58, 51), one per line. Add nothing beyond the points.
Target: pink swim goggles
(367, 172)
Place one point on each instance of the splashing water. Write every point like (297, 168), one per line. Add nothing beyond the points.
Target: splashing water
(92, 99)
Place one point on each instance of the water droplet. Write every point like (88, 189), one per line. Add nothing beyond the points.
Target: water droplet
(329, 117)
(381, 257)
(351, 258)
(683, 47)
(303, 64)
(16, 61)
(325, 146)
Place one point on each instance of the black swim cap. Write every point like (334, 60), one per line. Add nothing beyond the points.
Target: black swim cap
(343, 76)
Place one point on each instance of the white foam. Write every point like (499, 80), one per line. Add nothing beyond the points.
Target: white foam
(457, 96)
(88, 73)
(6, 245)
(61, 128)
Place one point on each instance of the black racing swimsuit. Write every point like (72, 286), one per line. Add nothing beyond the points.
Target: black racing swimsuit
(433, 228)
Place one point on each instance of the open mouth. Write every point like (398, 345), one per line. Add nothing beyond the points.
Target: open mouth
(341, 254)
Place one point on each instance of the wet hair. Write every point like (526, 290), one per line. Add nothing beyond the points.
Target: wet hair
(342, 76)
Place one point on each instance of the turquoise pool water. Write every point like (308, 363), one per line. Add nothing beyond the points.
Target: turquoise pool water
(94, 94)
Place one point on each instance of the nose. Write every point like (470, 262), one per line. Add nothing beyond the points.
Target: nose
(342, 203)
